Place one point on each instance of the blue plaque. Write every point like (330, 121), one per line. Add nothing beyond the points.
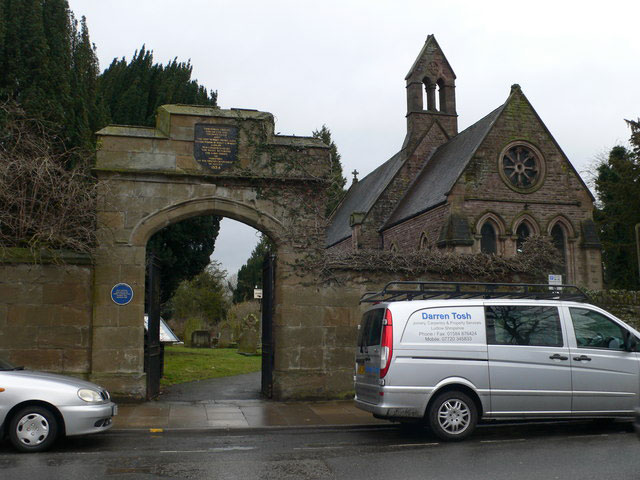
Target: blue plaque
(121, 293)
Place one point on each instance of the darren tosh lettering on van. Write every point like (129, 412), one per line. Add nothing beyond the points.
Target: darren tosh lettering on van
(446, 326)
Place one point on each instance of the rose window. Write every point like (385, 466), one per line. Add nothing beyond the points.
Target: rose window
(521, 167)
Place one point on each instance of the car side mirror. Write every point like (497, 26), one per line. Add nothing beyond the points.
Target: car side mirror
(630, 341)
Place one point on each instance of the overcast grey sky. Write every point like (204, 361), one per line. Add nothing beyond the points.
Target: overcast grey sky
(342, 63)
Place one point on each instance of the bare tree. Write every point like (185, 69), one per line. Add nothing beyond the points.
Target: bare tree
(43, 204)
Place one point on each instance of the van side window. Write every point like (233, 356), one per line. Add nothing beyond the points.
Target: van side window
(523, 325)
(371, 328)
(594, 330)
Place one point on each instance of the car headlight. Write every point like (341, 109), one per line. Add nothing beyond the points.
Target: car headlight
(89, 395)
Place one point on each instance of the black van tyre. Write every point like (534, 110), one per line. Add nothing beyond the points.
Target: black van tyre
(453, 416)
(33, 429)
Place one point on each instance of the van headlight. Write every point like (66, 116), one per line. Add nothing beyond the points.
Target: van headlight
(90, 396)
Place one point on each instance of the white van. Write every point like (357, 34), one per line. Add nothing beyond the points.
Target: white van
(449, 354)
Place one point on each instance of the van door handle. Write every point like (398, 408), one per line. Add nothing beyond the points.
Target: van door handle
(581, 358)
(557, 356)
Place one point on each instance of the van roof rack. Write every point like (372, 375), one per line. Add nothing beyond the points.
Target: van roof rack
(418, 290)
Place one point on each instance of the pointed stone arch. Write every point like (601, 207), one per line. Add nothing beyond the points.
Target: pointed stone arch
(485, 239)
(423, 243)
(563, 236)
(523, 222)
(221, 206)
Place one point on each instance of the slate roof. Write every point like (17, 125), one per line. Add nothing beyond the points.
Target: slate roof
(442, 170)
(361, 197)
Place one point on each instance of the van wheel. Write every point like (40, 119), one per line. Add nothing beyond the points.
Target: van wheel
(453, 416)
(33, 429)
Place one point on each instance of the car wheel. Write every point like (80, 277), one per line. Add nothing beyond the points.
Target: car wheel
(453, 416)
(33, 429)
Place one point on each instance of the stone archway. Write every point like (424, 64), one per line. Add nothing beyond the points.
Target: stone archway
(149, 178)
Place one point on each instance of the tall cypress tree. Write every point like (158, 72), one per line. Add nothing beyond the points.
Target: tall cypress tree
(133, 91)
(250, 274)
(3, 6)
(618, 188)
(336, 188)
(56, 87)
(88, 111)
(35, 63)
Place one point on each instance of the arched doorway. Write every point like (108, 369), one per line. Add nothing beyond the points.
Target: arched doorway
(217, 299)
(150, 178)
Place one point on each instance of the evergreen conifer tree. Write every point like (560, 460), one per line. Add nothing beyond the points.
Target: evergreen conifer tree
(336, 189)
(250, 274)
(618, 188)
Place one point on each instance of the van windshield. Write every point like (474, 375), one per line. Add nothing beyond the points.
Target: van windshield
(371, 328)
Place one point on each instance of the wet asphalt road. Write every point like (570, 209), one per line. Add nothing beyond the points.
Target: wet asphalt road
(567, 451)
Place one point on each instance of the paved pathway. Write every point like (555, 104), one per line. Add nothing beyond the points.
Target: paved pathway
(239, 387)
(233, 402)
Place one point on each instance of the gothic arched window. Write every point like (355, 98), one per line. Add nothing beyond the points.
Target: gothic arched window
(523, 232)
(488, 241)
(560, 242)
(424, 242)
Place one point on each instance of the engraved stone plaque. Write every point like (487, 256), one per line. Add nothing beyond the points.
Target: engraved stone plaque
(215, 146)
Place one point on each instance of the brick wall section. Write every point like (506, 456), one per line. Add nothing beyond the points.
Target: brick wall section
(45, 316)
(407, 235)
(345, 245)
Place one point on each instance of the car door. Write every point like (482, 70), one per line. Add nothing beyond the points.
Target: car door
(529, 368)
(368, 356)
(605, 377)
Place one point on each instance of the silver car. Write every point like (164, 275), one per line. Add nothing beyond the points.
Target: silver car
(36, 407)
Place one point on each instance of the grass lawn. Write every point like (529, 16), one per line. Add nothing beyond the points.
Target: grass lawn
(182, 364)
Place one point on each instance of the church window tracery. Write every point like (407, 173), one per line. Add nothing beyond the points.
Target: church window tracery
(521, 167)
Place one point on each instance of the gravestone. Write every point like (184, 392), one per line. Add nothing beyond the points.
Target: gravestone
(200, 339)
(225, 335)
(249, 338)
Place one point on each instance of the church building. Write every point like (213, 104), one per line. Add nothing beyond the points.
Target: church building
(484, 189)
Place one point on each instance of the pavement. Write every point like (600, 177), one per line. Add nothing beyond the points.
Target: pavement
(233, 403)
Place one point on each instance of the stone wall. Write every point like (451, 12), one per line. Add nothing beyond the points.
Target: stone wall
(45, 312)
(316, 334)
(407, 235)
(622, 303)
(46, 322)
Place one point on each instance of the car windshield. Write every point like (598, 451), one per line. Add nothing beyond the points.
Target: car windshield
(5, 365)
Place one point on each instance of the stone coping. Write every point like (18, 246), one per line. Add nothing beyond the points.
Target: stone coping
(10, 255)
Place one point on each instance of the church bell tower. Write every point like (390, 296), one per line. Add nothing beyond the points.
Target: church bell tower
(431, 95)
